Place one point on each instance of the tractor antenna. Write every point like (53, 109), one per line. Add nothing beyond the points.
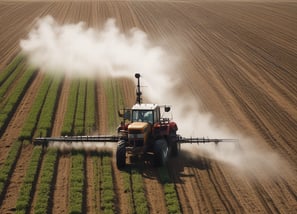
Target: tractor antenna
(138, 92)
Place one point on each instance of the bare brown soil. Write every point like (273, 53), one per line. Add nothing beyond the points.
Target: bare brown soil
(239, 60)
(61, 192)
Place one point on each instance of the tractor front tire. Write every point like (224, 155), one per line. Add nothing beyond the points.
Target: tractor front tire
(121, 156)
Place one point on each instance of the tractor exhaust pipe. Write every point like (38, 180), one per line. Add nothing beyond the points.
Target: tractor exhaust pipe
(138, 92)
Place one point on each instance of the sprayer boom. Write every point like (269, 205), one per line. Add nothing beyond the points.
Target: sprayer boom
(204, 140)
(115, 138)
(144, 130)
(72, 139)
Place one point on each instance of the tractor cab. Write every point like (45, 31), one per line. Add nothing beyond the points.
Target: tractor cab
(147, 120)
(149, 113)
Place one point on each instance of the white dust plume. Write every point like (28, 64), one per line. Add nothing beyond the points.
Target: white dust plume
(76, 50)
(83, 146)
(79, 51)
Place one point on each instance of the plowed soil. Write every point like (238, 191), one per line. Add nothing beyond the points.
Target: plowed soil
(239, 59)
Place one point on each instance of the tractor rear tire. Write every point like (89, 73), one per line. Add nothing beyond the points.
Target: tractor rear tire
(175, 146)
(174, 149)
(121, 156)
(160, 152)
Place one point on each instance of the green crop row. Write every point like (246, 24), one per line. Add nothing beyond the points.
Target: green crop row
(8, 166)
(90, 120)
(79, 123)
(171, 197)
(10, 68)
(140, 201)
(114, 102)
(26, 192)
(67, 128)
(107, 187)
(44, 191)
(33, 117)
(15, 97)
(47, 114)
(77, 183)
(133, 185)
(10, 77)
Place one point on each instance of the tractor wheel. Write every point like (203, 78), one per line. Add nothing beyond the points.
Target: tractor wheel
(121, 156)
(160, 152)
(174, 145)
(174, 149)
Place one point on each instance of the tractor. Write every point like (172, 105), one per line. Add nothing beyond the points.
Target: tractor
(147, 132)
(144, 131)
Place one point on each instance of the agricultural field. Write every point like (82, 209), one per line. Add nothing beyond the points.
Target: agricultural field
(237, 60)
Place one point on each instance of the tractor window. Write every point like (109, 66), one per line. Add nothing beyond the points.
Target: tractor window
(143, 116)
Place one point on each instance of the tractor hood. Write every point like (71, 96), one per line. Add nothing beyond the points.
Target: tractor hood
(140, 126)
(138, 133)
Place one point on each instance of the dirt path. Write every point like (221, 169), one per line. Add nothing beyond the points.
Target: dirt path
(102, 111)
(90, 183)
(61, 109)
(154, 191)
(61, 188)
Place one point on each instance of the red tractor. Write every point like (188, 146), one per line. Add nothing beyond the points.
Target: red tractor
(143, 132)
(147, 132)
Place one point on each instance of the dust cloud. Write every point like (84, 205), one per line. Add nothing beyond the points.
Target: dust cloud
(83, 146)
(244, 156)
(78, 51)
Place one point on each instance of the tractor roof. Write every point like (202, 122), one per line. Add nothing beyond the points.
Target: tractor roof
(144, 106)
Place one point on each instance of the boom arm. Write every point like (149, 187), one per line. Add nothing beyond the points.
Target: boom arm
(115, 138)
(204, 140)
(71, 139)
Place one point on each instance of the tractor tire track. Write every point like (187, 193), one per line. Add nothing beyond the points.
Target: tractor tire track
(243, 195)
(122, 201)
(154, 188)
(210, 199)
(176, 175)
(191, 193)
(226, 196)
(265, 199)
